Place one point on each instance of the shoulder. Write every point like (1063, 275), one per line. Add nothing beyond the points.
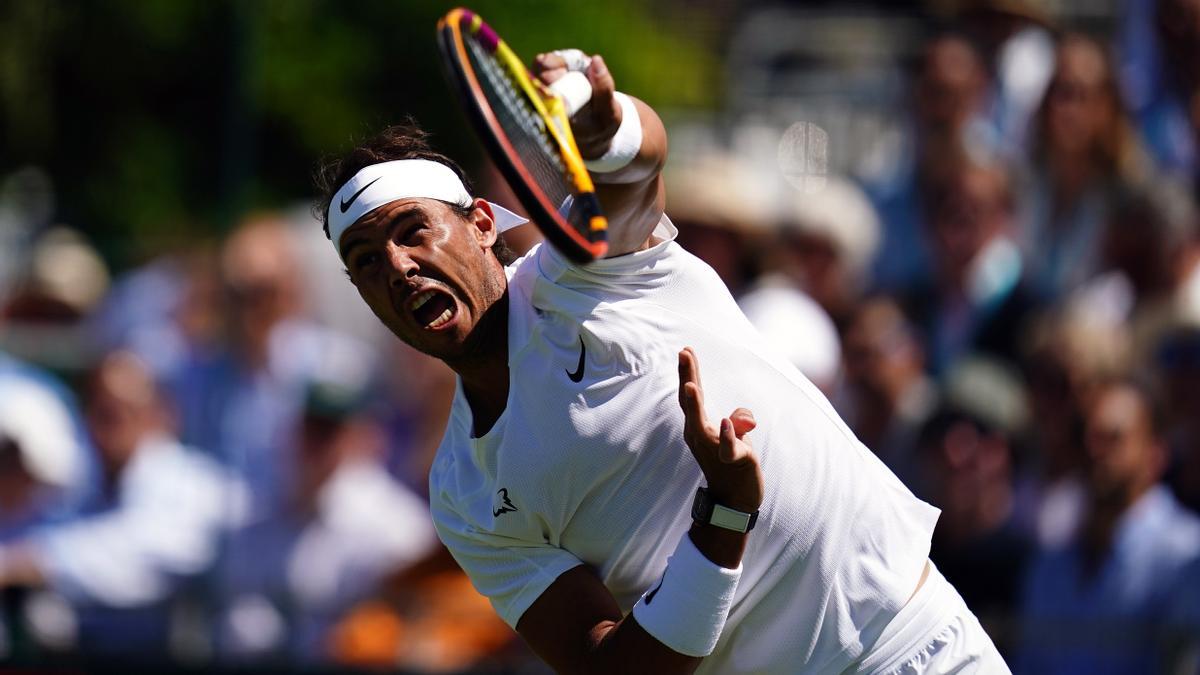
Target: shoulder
(1180, 528)
(663, 256)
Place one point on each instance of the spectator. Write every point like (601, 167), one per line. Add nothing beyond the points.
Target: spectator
(978, 298)
(966, 460)
(1107, 601)
(1179, 365)
(1068, 354)
(827, 240)
(165, 311)
(154, 523)
(721, 212)
(43, 474)
(1084, 149)
(1152, 247)
(797, 328)
(1160, 45)
(346, 524)
(1018, 50)
(887, 397)
(949, 99)
(241, 399)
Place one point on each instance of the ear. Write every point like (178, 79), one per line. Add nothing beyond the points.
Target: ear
(484, 221)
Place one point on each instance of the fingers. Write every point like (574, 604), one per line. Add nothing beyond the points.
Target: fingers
(691, 399)
(695, 425)
(731, 447)
(689, 373)
(603, 86)
(549, 67)
(743, 421)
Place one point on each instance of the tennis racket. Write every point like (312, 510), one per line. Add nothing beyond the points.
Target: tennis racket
(526, 130)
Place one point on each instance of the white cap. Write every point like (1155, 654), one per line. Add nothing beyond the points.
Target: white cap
(36, 420)
(797, 328)
(841, 213)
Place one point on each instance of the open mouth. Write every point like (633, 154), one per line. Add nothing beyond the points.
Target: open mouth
(432, 309)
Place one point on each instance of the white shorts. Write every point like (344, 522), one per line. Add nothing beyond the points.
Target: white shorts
(934, 633)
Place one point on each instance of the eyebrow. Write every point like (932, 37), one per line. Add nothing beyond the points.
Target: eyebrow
(404, 214)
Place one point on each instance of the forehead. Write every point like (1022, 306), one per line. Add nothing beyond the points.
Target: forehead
(1081, 59)
(1120, 408)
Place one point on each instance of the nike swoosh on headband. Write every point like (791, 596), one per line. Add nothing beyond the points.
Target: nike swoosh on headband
(345, 205)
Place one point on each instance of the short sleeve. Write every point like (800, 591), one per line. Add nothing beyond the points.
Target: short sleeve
(512, 573)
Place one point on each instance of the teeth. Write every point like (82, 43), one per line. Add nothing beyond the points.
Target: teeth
(441, 320)
(421, 299)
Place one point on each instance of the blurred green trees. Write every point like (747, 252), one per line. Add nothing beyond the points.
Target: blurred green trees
(161, 121)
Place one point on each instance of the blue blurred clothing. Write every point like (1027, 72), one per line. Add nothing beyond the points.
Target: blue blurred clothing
(1160, 112)
(122, 562)
(297, 573)
(985, 317)
(1119, 620)
(903, 258)
(1061, 251)
(140, 313)
(247, 417)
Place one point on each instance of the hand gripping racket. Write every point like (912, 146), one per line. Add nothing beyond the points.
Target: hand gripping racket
(526, 129)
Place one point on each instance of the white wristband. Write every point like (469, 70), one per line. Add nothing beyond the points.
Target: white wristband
(625, 143)
(686, 611)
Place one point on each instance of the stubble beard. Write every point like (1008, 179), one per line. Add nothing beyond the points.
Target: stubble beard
(488, 337)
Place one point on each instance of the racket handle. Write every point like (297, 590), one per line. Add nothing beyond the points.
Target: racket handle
(574, 89)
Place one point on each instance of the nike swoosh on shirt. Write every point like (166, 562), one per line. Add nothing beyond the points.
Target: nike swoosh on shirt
(345, 205)
(578, 374)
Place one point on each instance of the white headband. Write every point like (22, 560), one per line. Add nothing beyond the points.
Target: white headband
(379, 184)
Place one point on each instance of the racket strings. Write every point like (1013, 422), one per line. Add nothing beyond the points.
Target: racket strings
(525, 128)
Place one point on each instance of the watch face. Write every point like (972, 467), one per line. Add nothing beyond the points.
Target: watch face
(701, 507)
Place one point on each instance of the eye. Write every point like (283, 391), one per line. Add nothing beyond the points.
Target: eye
(413, 232)
(364, 260)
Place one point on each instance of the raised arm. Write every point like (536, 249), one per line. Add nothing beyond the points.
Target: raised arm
(632, 196)
(576, 626)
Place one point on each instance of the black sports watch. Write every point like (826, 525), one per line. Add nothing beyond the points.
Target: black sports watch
(706, 511)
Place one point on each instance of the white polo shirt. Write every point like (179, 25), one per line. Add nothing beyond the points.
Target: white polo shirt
(587, 464)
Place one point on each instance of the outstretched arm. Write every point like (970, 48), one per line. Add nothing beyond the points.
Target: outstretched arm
(576, 626)
(632, 197)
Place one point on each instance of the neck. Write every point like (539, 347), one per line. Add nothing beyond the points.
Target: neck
(1072, 172)
(484, 370)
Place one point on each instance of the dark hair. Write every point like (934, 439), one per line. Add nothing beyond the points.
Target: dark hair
(399, 141)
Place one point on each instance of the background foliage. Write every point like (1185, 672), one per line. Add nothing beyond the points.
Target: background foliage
(162, 121)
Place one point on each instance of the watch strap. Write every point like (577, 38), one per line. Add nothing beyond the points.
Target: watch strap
(706, 511)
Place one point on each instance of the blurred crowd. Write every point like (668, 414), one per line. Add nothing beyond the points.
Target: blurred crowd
(227, 465)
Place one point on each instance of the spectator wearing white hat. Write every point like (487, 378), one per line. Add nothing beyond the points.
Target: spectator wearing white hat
(829, 239)
(797, 328)
(722, 210)
(44, 460)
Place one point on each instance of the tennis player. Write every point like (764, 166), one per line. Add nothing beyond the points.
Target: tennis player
(613, 532)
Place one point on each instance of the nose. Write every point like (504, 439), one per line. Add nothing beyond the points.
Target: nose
(401, 265)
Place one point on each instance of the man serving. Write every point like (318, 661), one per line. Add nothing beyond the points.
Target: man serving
(612, 532)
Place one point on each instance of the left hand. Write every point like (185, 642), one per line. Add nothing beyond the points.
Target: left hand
(724, 454)
(597, 121)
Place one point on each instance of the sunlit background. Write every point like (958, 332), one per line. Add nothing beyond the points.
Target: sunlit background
(972, 223)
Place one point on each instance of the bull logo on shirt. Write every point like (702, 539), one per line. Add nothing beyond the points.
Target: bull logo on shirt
(506, 505)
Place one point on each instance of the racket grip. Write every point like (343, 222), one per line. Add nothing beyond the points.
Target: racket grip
(574, 89)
